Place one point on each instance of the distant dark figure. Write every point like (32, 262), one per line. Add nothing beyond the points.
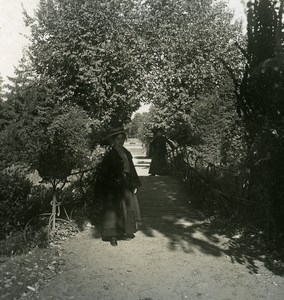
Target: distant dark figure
(158, 152)
(119, 183)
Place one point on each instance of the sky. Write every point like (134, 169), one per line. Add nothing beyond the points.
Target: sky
(13, 31)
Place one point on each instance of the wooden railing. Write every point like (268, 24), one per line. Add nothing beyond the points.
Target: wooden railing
(221, 190)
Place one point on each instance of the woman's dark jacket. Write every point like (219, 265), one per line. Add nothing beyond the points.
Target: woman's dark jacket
(158, 152)
(113, 179)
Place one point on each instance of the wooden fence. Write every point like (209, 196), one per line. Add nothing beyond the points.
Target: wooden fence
(228, 192)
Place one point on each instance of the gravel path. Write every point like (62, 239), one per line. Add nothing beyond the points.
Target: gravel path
(176, 255)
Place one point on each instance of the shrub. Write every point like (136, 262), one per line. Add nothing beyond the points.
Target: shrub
(19, 201)
(14, 202)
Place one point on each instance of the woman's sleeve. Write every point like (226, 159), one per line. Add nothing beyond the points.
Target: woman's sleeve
(135, 179)
(105, 165)
(105, 172)
(150, 154)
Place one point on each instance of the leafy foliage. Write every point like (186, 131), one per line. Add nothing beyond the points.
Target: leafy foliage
(135, 127)
(1, 89)
(89, 49)
(26, 115)
(187, 76)
(66, 145)
(19, 201)
(261, 105)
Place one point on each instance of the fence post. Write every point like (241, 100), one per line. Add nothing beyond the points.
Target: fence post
(53, 205)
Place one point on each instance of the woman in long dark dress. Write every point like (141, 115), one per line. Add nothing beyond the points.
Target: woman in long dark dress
(119, 184)
(158, 151)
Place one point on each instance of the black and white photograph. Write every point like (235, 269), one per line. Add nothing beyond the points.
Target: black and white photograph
(141, 149)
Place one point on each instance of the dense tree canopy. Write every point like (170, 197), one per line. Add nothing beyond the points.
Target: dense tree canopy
(107, 56)
(262, 87)
(260, 102)
(89, 48)
(192, 55)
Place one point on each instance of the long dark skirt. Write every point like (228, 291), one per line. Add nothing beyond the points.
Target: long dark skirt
(159, 165)
(121, 214)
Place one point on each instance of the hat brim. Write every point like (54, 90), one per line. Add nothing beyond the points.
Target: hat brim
(116, 133)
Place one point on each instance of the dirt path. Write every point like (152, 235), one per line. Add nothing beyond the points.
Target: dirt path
(175, 256)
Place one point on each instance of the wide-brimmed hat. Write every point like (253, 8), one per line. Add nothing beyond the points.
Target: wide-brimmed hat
(116, 131)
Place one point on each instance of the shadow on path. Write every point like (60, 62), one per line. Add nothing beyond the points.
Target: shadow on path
(246, 250)
(166, 207)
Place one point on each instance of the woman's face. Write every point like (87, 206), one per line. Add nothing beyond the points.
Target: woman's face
(119, 140)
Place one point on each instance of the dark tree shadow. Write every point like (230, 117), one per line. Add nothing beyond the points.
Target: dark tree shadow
(249, 250)
(167, 208)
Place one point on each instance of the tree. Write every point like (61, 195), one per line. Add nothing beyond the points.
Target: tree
(65, 149)
(265, 62)
(30, 116)
(1, 89)
(66, 145)
(260, 103)
(136, 124)
(40, 132)
(4, 110)
(26, 114)
(90, 49)
(188, 57)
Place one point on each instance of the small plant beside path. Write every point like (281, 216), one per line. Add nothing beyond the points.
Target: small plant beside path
(23, 275)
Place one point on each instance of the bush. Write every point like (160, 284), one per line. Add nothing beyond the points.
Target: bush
(19, 201)
(65, 146)
(14, 202)
(81, 197)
